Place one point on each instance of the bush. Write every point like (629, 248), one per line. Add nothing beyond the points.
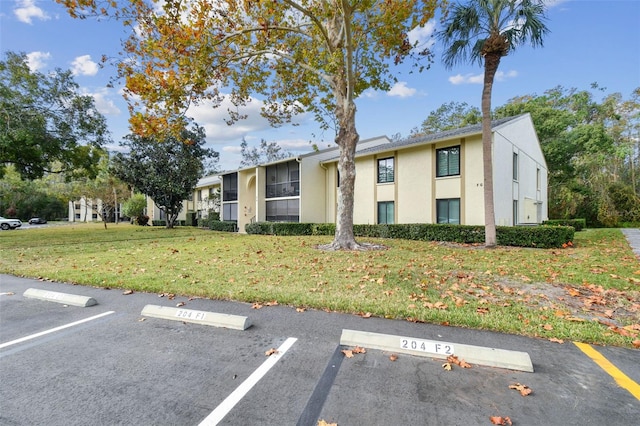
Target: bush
(578, 224)
(142, 220)
(216, 225)
(520, 236)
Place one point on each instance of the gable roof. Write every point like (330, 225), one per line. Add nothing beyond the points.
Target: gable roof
(470, 130)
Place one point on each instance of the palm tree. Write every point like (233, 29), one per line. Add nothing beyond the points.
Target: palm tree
(484, 31)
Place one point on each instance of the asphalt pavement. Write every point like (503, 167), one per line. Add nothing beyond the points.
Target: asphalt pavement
(107, 364)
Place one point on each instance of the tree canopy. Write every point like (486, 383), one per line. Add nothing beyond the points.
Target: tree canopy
(266, 153)
(45, 121)
(166, 170)
(294, 56)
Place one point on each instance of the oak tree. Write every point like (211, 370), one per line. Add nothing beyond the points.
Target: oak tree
(46, 125)
(296, 56)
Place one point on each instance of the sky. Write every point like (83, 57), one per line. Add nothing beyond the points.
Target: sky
(589, 41)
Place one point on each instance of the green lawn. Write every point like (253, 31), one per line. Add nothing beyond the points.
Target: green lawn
(588, 293)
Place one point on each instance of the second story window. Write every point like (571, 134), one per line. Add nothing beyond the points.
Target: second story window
(283, 180)
(515, 166)
(230, 187)
(448, 161)
(385, 170)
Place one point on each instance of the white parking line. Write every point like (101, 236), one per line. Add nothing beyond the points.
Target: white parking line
(53, 330)
(223, 409)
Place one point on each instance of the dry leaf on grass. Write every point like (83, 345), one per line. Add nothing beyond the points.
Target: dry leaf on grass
(636, 344)
(523, 389)
(498, 420)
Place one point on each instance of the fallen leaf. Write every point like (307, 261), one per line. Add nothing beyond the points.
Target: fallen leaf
(446, 366)
(127, 292)
(555, 340)
(548, 327)
(141, 319)
(180, 304)
(393, 357)
(347, 353)
(256, 305)
(365, 314)
(523, 389)
(324, 423)
(457, 361)
(271, 351)
(359, 350)
(636, 344)
(497, 420)
(300, 309)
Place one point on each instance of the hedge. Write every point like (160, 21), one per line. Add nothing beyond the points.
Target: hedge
(217, 225)
(519, 236)
(578, 224)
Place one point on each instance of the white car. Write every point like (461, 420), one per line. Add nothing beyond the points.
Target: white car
(9, 223)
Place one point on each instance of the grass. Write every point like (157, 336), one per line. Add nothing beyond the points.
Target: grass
(589, 292)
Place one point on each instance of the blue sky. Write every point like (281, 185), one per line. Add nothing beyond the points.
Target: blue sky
(590, 41)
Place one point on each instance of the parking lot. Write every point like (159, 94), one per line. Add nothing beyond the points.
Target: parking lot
(108, 364)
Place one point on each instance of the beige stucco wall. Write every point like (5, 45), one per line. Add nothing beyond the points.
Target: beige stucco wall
(312, 192)
(364, 207)
(246, 197)
(472, 204)
(414, 173)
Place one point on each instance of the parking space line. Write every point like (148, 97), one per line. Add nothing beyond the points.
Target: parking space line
(227, 405)
(53, 330)
(312, 410)
(622, 379)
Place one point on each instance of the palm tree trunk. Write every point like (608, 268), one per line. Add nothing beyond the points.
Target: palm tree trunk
(491, 63)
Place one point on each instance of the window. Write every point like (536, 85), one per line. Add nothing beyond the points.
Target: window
(538, 179)
(230, 212)
(385, 170)
(515, 212)
(385, 212)
(230, 187)
(283, 210)
(448, 210)
(283, 180)
(515, 166)
(200, 195)
(448, 161)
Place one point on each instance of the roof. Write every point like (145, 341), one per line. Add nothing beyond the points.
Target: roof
(473, 129)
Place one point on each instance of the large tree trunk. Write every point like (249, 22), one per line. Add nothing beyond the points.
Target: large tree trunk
(347, 140)
(491, 63)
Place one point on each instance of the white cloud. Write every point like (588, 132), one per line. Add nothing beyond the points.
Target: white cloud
(401, 90)
(479, 78)
(83, 65)
(26, 10)
(423, 35)
(103, 103)
(37, 60)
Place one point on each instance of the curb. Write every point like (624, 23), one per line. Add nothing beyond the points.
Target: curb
(235, 322)
(66, 298)
(491, 357)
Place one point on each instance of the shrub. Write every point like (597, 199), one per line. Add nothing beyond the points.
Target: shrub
(216, 225)
(142, 220)
(578, 224)
(520, 236)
